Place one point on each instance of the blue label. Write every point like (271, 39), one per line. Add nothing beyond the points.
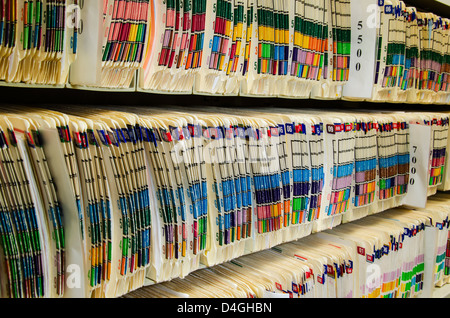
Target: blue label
(290, 129)
(389, 9)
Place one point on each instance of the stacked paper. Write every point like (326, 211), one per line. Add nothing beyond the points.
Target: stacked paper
(412, 50)
(175, 45)
(129, 194)
(383, 256)
(114, 45)
(38, 40)
(257, 48)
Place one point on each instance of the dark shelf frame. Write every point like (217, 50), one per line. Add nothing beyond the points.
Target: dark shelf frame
(44, 97)
(432, 6)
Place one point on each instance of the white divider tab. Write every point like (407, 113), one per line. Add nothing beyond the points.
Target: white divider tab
(431, 234)
(86, 70)
(362, 57)
(419, 150)
(74, 285)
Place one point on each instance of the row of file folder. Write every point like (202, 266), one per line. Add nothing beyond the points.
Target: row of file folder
(298, 49)
(261, 48)
(123, 195)
(412, 55)
(38, 40)
(398, 253)
(225, 47)
(112, 48)
(125, 25)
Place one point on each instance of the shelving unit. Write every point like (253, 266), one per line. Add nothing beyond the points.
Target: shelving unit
(41, 95)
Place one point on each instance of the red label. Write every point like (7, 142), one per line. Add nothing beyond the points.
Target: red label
(274, 131)
(300, 258)
(330, 270)
(320, 279)
(191, 130)
(77, 138)
(369, 258)
(361, 250)
(30, 139)
(108, 140)
(334, 246)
